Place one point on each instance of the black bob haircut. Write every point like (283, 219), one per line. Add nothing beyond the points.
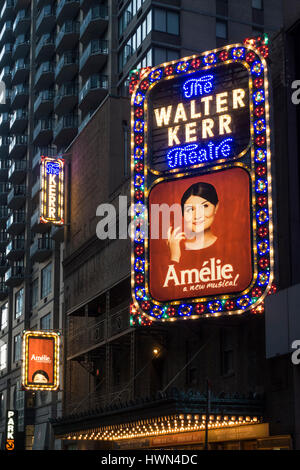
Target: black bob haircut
(204, 190)
(42, 372)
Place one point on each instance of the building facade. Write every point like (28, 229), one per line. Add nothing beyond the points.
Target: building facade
(66, 66)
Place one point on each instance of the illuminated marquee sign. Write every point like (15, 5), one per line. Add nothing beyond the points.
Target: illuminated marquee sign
(11, 430)
(201, 142)
(52, 193)
(40, 360)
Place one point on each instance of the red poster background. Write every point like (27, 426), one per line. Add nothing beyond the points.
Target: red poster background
(39, 347)
(231, 225)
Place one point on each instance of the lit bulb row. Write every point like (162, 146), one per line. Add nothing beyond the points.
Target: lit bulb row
(260, 141)
(170, 426)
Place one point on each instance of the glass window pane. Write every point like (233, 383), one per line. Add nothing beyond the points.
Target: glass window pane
(149, 22)
(221, 29)
(134, 7)
(46, 280)
(138, 37)
(172, 23)
(46, 322)
(159, 55)
(149, 58)
(19, 303)
(3, 356)
(144, 29)
(4, 316)
(159, 20)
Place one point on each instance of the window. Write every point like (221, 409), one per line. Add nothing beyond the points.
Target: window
(221, 29)
(162, 55)
(46, 280)
(3, 356)
(1, 405)
(34, 292)
(17, 347)
(166, 21)
(128, 14)
(4, 316)
(227, 351)
(19, 301)
(135, 41)
(46, 322)
(258, 4)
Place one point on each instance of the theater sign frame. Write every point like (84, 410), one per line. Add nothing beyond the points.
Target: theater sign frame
(257, 165)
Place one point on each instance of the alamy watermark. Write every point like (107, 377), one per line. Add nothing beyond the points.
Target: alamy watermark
(296, 93)
(170, 222)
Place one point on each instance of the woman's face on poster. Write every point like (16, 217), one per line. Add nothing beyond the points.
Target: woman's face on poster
(199, 214)
(40, 378)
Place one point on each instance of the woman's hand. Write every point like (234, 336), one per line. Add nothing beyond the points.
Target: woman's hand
(174, 239)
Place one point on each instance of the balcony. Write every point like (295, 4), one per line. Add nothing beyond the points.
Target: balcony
(21, 47)
(94, 57)
(20, 72)
(3, 290)
(4, 265)
(16, 222)
(7, 11)
(67, 67)
(91, 332)
(41, 249)
(5, 55)
(36, 225)
(4, 146)
(18, 146)
(4, 165)
(5, 99)
(45, 48)
(65, 130)
(19, 96)
(14, 276)
(21, 23)
(46, 20)
(17, 171)
(4, 191)
(6, 33)
(17, 196)
(15, 250)
(43, 131)
(44, 77)
(3, 240)
(5, 75)
(66, 9)
(43, 105)
(4, 123)
(68, 36)
(93, 92)
(18, 121)
(94, 24)
(66, 98)
(4, 213)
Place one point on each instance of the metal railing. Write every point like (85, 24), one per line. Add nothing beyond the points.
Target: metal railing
(95, 13)
(67, 58)
(95, 82)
